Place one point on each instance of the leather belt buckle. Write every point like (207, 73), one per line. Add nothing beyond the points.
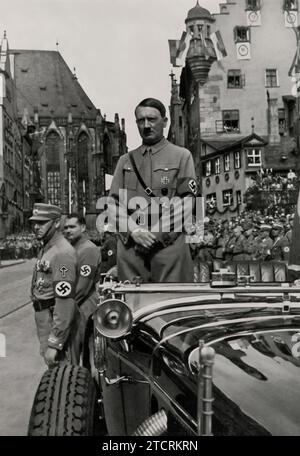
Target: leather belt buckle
(42, 305)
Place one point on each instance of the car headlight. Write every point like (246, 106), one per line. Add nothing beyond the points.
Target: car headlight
(113, 319)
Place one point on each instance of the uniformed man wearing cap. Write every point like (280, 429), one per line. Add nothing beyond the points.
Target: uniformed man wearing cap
(162, 170)
(280, 250)
(53, 286)
(263, 244)
(88, 266)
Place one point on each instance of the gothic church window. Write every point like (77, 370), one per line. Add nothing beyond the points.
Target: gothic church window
(53, 168)
(83, 170)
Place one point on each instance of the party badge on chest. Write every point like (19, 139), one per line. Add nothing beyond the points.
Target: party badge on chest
(165, 180)
(40, 284)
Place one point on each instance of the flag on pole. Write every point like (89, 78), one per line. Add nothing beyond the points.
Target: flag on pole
(183, 48)
(173, 47)
(219, 46)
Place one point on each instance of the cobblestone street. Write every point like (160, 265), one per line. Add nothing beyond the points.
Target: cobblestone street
(22, 368)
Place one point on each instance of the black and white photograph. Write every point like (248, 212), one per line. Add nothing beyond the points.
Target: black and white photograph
(149, 221)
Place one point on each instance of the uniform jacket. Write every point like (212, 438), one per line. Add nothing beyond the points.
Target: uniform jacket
(172, 174)
(263, 248)
(54, 277)
(281, 249)
(88, 268)
(109, 254)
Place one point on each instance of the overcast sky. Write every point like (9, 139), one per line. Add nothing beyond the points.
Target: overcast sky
(119, 47)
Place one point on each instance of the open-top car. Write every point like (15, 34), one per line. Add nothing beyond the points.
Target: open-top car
(220, 357)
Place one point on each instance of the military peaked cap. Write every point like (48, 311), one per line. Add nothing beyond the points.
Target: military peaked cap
(43, 212)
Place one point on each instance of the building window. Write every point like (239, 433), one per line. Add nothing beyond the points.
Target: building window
(272, 78)
(252, 5)
(281, 121)
(180, 122)
(83, 171)
(290, 5)
(242, 34)
(231, 121)
(191, 29)
(234, 79)
(238, 197)
(208, 168)
(53, 168)
(237, 160)
(211, 201)
(227, 162)
(227, 197)
(217, 165)
(53, 187)
(254, 157)
(208, 31)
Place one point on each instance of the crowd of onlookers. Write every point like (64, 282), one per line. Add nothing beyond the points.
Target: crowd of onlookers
(19, 246)
(269, 181)
(249, 236)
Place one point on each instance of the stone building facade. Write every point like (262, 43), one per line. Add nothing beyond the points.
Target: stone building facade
(243, 118)
(16, 164)
(74, 146)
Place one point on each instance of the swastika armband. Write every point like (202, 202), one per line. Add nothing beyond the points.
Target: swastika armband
(87, 270)
(64, 289)
(187, 186)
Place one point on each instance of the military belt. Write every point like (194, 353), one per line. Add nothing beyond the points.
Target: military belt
(43, 304)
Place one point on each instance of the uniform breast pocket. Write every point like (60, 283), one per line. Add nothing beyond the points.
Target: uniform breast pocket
(165, 175)
(130, 179)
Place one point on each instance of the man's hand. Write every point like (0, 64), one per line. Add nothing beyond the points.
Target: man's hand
(143, 237)
(50, 357)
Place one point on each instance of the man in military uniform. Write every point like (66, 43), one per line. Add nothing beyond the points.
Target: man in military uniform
(207, 246)
(88, 266)
(249, 245)
(263, 244)
(238, 244)
(146, 249)
(53, 286)
(108, 250)
(280, 250)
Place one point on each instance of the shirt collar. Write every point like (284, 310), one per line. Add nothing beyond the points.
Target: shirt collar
(51, 242)
(80, 241)
(155, 147)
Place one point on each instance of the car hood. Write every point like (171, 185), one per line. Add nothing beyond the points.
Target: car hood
(260, 373)
(257, 363)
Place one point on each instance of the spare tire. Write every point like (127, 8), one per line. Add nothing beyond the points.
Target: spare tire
(64, 403)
